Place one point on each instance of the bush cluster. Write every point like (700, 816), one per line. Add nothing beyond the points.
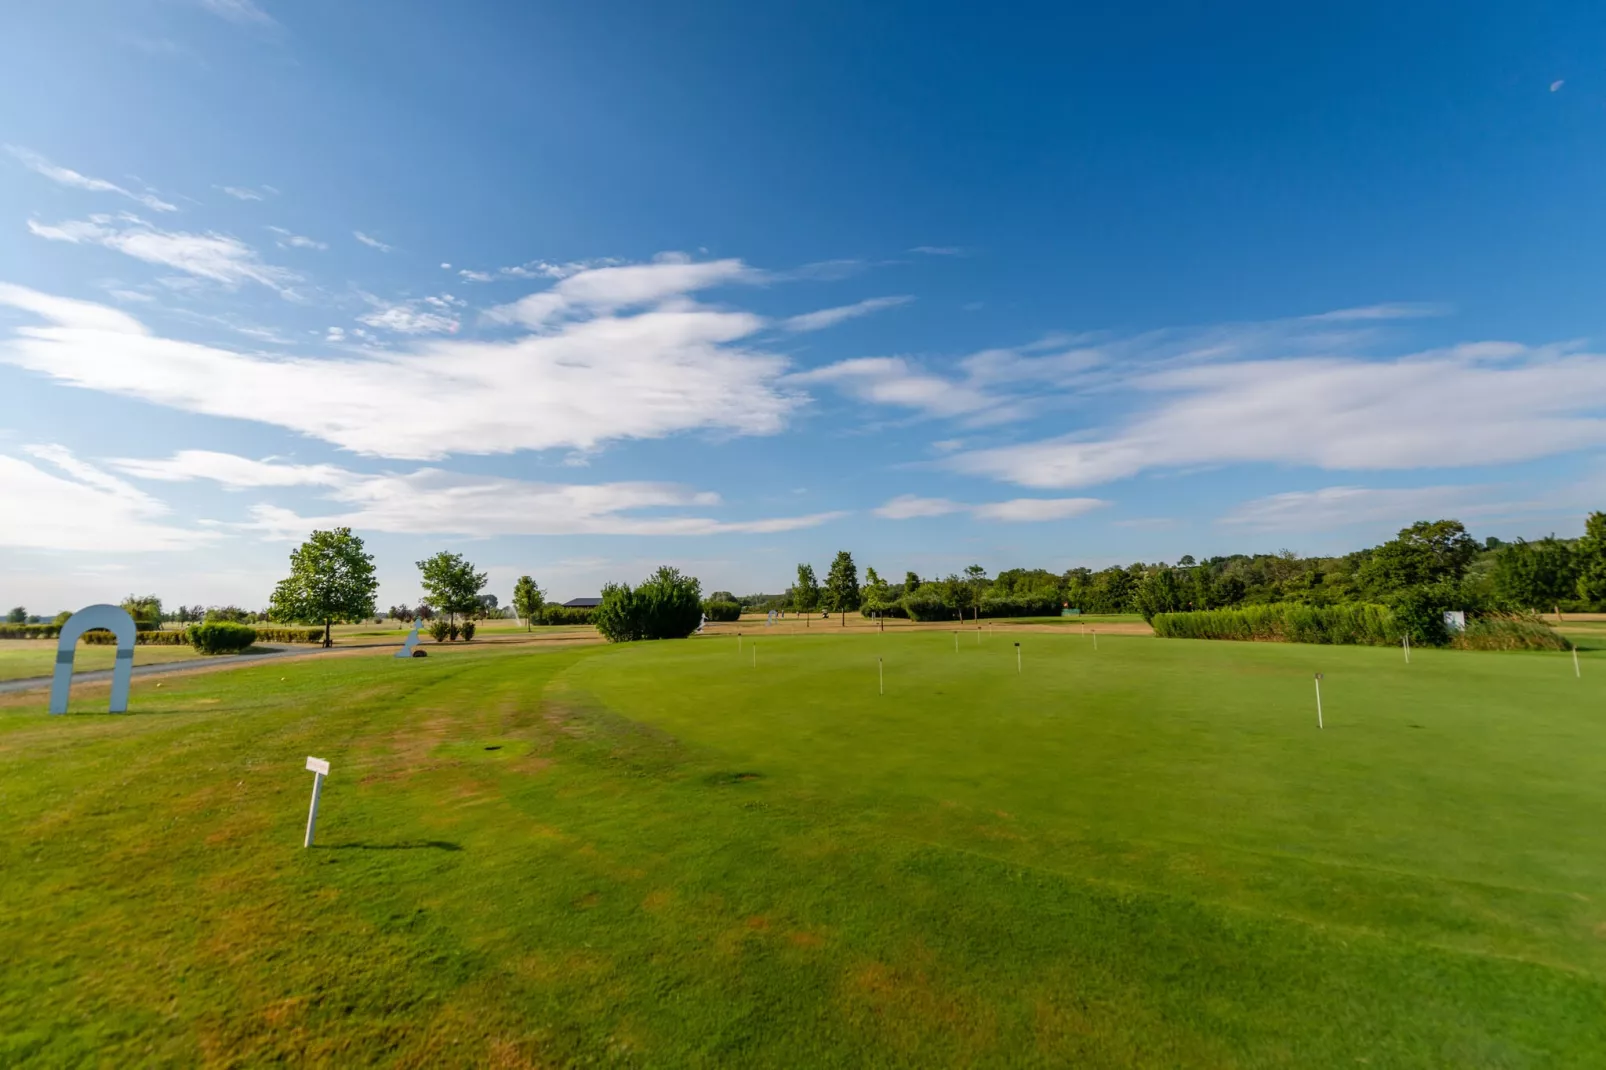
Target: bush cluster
(667, 605)
(723, 611)
(222, 637)
(1500, 633)
(1286, 622)
(289, 635)
(552, 613)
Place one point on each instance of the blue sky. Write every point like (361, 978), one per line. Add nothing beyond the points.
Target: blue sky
(577, 289)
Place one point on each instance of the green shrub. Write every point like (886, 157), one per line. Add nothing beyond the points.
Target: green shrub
(439, 629)
(723, 611)
(876, 608)
(667, 605)
(222, 637)
(452, 630)
(1021, 605)
(552, 613)
(29, 631)
(927, 606)
(1505, 633)
(290, 635)
(468, 630)
(1285, 622)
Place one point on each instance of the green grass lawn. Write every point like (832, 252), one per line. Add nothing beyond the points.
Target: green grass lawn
(665, 855)
(21, 658)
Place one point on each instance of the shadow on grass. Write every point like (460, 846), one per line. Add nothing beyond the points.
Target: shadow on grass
(411, 845)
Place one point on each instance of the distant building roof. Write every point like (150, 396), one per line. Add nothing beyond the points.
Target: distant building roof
(582, 603)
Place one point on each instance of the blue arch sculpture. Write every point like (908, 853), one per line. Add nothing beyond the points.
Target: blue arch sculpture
(114, 619)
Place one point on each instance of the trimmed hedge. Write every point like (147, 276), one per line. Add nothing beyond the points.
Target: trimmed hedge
(29, 631)
(1024, 605)
(285, 635)
(928, 607)
(723, 612)
(556, 614)
(873, 608)
(1285, 622)
(222, 637)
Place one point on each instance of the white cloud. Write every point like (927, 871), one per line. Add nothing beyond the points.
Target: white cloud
(830, 317)
(1031, 510)
(612, 289)
(546, 269)
(1018, 510)
(433, 501)
(912, 507)
(1338, 507)
(425, 315)
(335, 334)
(938, 250)
(241, 193)
(288, 240)
(82, 509)
(245, 12)
(475, 276)
(218, 257)
(1555, 86)
(231, 471)
(372, 243)
(897, 381)
(594, 378)
(1472, 405)
(67, 177)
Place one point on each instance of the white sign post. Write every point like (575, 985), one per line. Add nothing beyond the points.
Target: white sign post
(1318, 700)
(320, 769)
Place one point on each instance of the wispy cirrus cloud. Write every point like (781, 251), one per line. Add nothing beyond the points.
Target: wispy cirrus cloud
(65, 504)
(1016, 510)
(218, 257)
(614, 355)
(435, 314)
(433, 501)
(830, 317)
(289, 240)
(244, 12)
(372, 243)
(1332, 413)
(66, 176)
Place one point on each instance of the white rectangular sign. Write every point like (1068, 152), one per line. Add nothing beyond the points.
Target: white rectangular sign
(317, 765)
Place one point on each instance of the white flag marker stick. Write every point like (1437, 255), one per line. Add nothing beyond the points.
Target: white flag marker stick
(956, 642)
(1095, 638)
(881, 677)
(1575, 664)
(1017, 658)
(1319, 700)
(1406, 643)
(320, 769)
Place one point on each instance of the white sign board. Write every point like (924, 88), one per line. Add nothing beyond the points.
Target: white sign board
(317, 765)
(1455, 620)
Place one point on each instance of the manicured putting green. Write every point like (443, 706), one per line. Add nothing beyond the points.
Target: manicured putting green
(664, 855)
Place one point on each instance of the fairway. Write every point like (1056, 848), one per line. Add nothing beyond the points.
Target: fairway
(685, 853)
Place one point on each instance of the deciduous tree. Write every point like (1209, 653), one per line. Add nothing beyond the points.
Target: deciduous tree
(452, 584)
(528, 598)
(331, 579)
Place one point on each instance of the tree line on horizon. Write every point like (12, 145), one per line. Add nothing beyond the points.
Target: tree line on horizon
(1429, 567)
